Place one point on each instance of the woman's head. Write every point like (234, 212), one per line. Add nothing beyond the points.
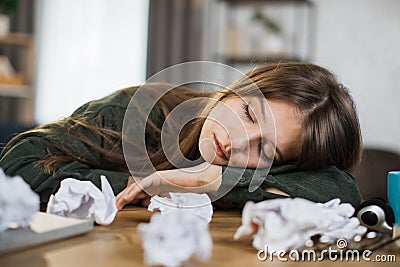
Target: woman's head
(315, 118)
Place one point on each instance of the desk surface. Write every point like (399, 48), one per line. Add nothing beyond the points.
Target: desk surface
(119, 244)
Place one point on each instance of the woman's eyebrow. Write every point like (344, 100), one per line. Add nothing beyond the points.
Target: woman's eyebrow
(264, 117)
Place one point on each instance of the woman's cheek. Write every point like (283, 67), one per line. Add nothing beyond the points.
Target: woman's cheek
(204, 147)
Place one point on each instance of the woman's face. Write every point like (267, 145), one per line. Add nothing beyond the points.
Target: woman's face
(240, 132)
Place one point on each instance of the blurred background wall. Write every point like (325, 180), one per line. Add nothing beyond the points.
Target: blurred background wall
(86, 50)
(356, 39)
(359, 40)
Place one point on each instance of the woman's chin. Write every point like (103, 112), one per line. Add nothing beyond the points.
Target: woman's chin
(212, 158)
(207, 152)
(219, 161)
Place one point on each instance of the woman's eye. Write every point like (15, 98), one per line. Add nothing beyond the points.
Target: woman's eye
(267, 151)
(246, 111)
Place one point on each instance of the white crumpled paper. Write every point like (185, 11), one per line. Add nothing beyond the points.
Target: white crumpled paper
(196, 204)
(18, 203)
(285, 224)
(171, 239)
(83, 200)
(179, 231)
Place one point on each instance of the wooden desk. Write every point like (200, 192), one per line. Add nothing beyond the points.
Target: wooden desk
(119, 244)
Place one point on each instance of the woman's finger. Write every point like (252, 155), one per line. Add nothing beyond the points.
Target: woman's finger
(120, 196)
(133, 191)
(121, 202)
(137, 188)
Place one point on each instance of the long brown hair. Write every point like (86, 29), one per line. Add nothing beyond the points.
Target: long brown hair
(331, 132)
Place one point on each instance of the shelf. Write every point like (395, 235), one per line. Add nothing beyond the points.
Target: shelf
(285, 40)
(18, 78)
(21, 39)
(12, 90)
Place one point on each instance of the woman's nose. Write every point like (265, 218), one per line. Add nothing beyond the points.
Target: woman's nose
(249, 140)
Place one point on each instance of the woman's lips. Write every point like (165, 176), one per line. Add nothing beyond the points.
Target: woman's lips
(219, 149)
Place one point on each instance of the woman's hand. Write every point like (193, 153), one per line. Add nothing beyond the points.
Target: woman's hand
(145, 201)
(203, 178)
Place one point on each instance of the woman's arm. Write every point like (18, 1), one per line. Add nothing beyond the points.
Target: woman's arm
(22, 159)
(25, 154)
(232, 184)
(204, 178)
(318, 186)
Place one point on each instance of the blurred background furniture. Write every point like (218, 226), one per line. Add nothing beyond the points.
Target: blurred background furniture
(258, 32)
(9, 130)
(18, 65)
(239, 33)
(371, 173)
(17, 69)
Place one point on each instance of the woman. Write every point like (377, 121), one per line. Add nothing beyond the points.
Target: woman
(317, 140)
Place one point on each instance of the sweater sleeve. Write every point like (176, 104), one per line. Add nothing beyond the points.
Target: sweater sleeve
(22, 155)
(22, 159)
(317, 186)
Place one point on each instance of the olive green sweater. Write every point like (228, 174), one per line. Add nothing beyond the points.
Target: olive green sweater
(22, 155)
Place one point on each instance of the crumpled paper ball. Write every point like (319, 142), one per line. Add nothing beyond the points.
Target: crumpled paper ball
(83, 200)
(196, 204)
(170, 240)
(285, 224)
(18, 203)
